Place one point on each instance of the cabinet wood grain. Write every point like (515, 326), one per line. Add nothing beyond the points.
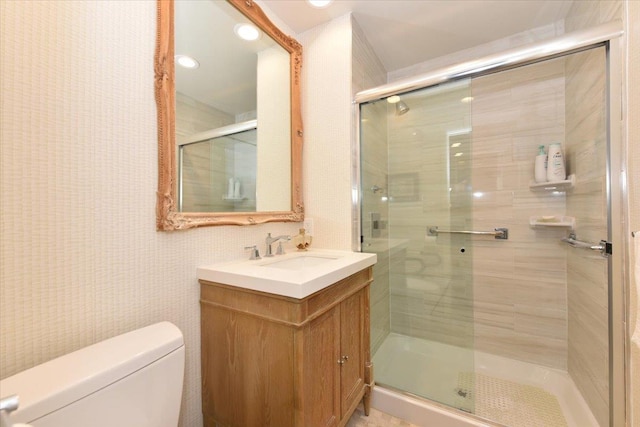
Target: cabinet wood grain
(269, 360)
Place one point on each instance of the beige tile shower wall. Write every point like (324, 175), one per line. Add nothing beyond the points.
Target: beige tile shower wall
(202, 184)
(511, 299)
(531, 36)
(367, 72)
(428, 303)
(373, 171)
(587, 298)
(80, 260)
(202, 187)
(587, 283)
(193, 117)
(519, 285)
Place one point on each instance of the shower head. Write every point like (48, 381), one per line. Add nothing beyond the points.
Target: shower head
(401, 108)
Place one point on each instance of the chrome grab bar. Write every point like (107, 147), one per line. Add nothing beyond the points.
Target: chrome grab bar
(499, 233)
(603, 247)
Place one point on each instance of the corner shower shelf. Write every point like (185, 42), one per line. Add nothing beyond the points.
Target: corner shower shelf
(552, 221)
(565, 185)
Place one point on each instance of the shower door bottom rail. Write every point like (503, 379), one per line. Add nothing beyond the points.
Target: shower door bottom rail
(498, 233)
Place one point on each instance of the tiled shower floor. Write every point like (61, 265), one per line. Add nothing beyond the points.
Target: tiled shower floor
(433, 370)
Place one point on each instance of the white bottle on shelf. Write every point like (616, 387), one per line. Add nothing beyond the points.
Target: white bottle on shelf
(236, 189)
(555, 163)
(540, 172)
(230, 189)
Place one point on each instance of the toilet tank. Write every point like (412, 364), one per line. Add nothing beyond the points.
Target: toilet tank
(132, 380)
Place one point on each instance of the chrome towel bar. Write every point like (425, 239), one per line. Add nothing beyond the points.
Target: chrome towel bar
(498, 233)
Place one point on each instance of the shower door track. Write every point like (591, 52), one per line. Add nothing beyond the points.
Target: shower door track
(601, 35)
(540, 51)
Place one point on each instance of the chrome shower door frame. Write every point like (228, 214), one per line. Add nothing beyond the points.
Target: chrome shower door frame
(609, 35)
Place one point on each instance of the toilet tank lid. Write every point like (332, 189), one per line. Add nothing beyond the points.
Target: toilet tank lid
(59, 382)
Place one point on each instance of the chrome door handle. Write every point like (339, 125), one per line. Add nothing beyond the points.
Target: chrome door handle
(499, 233)
(7, 405)
(603, 246)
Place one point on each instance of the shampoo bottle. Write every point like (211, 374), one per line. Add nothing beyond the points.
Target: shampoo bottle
(540, 172)
(555, 163)
(230, 189)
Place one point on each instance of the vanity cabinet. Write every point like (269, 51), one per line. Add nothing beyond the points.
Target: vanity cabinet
(270, 360)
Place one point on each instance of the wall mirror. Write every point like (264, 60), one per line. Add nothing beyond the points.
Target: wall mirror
(229, 121)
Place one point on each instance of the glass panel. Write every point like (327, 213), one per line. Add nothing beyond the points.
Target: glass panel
(471, 321)
(219, 174)
(415, 174)
(586, 147)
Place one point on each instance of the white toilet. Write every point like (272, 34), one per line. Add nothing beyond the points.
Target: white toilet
(132, 380)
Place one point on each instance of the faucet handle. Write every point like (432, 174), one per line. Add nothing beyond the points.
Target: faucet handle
(280, 250)
(255, 254)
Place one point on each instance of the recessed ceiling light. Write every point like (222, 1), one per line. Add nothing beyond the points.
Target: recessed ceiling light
(457, 155)
(393, 99)
(247, 32)
(187, 61)
(467, 99)
(319, 3)
(456, 144)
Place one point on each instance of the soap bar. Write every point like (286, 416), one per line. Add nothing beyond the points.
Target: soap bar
(550, 218)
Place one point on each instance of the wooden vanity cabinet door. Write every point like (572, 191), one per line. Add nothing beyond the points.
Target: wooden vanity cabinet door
(352, 351)
(247, 370)
(271, 361)
(322, 351)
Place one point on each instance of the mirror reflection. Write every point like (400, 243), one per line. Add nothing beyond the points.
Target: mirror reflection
(210, 170)
(221, 163)
(233, 112)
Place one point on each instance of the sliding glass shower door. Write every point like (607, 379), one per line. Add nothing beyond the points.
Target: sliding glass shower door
(488, 283)
(416, 176)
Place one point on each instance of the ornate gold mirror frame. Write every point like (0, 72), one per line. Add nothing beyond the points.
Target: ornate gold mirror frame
(167, 215)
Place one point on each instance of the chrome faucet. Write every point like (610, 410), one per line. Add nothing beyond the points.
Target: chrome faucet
(255, 254)
(269, 240)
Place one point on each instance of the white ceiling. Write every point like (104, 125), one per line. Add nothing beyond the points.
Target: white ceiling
(402, 32)
(407, 32)
(226, 78)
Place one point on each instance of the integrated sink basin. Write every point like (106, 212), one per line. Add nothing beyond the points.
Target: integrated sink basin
(296, 274)
(299, 262)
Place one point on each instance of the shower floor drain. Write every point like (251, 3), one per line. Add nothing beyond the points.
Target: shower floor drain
(508, 402)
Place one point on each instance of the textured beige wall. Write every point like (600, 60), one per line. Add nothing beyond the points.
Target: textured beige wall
(80, 259)
(326, 109)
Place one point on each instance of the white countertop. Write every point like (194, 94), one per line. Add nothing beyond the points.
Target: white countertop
(284, 275)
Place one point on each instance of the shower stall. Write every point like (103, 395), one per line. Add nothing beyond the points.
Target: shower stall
(497, 298)
(217, 169)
